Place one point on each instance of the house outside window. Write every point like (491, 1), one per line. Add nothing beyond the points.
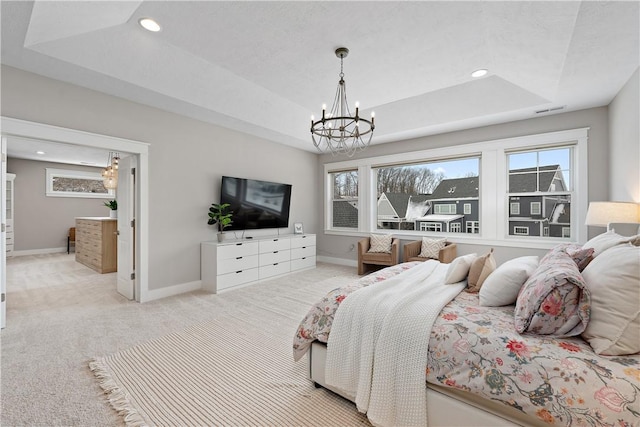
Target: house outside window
(345, 199)
(566, 232)
(541, 180)
(410, 195)
(467, 209)
(455, 227)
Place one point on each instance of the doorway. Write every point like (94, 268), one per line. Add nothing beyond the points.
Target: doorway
(139, 152)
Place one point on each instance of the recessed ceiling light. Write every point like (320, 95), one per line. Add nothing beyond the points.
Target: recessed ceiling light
(149, 24)
(40, 152)
(479, 73)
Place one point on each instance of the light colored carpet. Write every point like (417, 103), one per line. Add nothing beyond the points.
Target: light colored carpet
(61, 315)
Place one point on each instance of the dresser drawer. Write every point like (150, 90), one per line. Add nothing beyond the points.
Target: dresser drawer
(299, 264)
(235, 250)
(303, 252)
(274, 245)
(236, 278)
(305, 240)
(274, 257)
(274, 269)
(230, 265)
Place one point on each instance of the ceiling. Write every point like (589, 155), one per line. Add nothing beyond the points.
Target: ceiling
(265, 67)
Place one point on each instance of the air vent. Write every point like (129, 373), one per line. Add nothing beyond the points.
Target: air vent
(550, 110)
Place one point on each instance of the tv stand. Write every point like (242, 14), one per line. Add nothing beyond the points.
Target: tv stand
(233, 263)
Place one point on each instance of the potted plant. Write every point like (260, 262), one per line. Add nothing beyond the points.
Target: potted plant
(219, 214)
(113, 205)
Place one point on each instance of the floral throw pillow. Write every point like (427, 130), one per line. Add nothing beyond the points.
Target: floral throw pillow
(554, 300)
(380, 243)
(581, 256)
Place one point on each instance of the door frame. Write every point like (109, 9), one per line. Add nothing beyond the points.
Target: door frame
(23, 128)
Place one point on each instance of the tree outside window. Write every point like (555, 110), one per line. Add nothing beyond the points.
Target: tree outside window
(345, 199)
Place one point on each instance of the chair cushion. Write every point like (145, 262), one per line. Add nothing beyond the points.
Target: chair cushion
(376, 258)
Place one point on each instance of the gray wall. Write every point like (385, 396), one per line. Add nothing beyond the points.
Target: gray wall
(624, 135)
(186, 160)
(43, 222)
(596, 118)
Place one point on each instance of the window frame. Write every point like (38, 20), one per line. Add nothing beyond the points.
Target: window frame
(493, 204)
(539, 208)
(52, 173)
(514, 208)
(516, 233)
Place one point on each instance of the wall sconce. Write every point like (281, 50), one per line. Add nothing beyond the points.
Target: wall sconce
(601, 214)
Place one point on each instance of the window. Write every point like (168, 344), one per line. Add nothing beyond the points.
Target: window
(345, 199)
(545, 232)
(445, 209)
(455, 227)
(566, 232)
(542, 179)
(545, 174)
(430, 226)
(521, 231)
(535, 208)
(473, 227)
(515, 208)
(76, 183)
(410, 193)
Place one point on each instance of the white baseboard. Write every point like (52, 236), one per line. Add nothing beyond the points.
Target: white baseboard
(38, 251)
(170, 291)
(339, 261)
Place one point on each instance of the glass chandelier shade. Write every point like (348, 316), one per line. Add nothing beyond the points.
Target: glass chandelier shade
(339, 131)
(110, 173)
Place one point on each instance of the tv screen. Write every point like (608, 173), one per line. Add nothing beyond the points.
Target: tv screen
(256, 204)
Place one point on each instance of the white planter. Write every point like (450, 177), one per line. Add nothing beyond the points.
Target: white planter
(113, 214)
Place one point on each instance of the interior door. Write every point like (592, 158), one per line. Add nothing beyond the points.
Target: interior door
(126, 227)
(3, 243)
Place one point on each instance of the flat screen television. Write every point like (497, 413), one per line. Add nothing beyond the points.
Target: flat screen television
(256, 204)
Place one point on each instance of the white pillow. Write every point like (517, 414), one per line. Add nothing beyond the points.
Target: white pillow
(604, 241)
(503, 285)
(380, 243)
(613, 279)
(431, 247)
(459, 269)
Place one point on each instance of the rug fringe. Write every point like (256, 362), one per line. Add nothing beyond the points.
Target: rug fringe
(117, 397)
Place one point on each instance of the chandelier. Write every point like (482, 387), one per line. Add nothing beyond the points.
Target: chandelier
(110, 173)
(338, 131)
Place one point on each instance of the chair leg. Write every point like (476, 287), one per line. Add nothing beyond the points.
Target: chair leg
(68, 244)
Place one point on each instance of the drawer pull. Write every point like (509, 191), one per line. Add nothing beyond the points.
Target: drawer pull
(304, 247)
(238, 244)
(275, 263)
(275, 252)
(238, 257)
(275, 240)
(239, 271)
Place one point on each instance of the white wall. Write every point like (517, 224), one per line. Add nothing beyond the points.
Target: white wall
(43, 222)
(596, 118)
(186, 160)
(624, 143)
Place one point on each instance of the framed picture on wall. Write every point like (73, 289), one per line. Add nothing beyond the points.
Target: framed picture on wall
(297, 228)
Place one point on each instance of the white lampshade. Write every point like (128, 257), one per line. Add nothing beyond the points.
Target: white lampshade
(600, 214)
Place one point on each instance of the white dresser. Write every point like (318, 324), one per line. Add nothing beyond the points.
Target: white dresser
(240, 262)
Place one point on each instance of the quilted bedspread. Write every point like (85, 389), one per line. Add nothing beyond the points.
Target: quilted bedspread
(476, 349)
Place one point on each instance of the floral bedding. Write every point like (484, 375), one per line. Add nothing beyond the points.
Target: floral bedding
(476, 349)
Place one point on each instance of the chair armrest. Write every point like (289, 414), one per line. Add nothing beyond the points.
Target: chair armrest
(363, 246)
(412, 250)
(448, 253)
(395, 251)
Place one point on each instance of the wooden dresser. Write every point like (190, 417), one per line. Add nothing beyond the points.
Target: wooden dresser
(96, 243)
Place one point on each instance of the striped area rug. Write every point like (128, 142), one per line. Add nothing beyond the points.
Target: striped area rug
(236, 370)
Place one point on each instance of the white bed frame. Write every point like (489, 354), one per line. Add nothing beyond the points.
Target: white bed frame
(445, 407)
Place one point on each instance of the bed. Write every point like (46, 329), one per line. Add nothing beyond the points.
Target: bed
(478, 369)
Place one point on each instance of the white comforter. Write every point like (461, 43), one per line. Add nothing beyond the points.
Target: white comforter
(377, 350)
